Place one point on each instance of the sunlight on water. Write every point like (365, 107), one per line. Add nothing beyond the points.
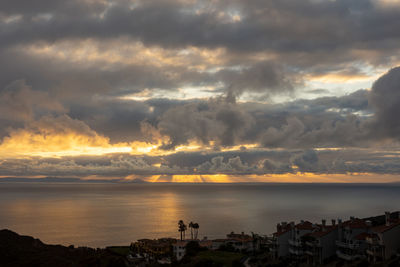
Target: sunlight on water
(115, 214)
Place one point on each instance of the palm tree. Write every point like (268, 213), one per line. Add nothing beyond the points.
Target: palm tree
(256, 239)
(181, 228)
(191, 224)
(196, 227)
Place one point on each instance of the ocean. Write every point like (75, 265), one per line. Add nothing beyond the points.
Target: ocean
(105, 214)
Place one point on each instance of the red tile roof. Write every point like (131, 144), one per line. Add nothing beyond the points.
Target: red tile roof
(362, 236)
(384, 228)
(280, 233)
(305, 226)
(355, 223)
(320, 233)
(220, 240)
(284, 229)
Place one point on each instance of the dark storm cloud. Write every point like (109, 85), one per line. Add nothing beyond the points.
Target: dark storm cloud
(71, 81)
(322, 122)
(261, 78)
(18, 102)
(306, 132)
(120, 120)
(229, 49)
(214, 120)
(307, 161)
(311, 25)
(299, 37)
(385, 98)
(242, 164)
(312, 34)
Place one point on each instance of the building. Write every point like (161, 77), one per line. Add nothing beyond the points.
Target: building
(242, 242)
(383, 241)
(279, 242)
(296, 243)
(287, 240)
(239, 242)
(153, 248)
(179, 247)
(376, 238)
(351, 243)
(321, 244)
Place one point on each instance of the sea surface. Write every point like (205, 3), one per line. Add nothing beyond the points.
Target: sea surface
(99, 215)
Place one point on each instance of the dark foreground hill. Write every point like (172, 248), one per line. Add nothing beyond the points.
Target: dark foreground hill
(17, 250)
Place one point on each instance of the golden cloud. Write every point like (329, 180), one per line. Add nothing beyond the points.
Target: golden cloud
(57, 136)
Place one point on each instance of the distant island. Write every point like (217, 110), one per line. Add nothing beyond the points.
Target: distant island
(68, 180)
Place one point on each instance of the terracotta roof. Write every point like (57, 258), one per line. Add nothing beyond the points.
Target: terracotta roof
(320, 233)
(219, 240)
(280, 233)
(384, 228)
(362, 236)
(239, 237)
(305, 226)
(300, 226)
(202, 243)
(355, 223)
(284, 229)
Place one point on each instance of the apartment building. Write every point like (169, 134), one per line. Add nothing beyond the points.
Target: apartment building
(320, 245)
(351, 244)
(279, 242)
(296, 243)
(383, 241)
(376, 238)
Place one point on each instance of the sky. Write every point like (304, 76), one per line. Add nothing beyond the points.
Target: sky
(201, 91)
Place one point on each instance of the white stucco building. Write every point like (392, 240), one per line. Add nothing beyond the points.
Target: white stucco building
(321, 244)
(384, 241)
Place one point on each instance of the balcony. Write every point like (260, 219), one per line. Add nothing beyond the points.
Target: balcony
(308, 252)
(347, 257)
(295, 243)
(375, 253)
(297, 252)
(373, 241)
(347, 245)
(273, 249)
(313, 244)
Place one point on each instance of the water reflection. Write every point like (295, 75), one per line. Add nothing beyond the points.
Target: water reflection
(112, 214)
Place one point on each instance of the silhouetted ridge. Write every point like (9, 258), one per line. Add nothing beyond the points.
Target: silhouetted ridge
(17, 250)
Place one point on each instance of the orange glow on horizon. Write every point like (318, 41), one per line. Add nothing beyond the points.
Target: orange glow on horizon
(278, 178)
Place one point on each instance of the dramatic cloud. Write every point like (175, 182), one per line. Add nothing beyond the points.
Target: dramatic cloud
(176, 90)
(20, 103)
(214, 121)
(56, 135)
(385, 98)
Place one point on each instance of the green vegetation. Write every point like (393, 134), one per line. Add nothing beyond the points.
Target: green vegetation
(119, 250)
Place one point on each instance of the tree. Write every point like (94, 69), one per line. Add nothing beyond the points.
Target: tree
(182, 228)
(196, 227)
(191, 226)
